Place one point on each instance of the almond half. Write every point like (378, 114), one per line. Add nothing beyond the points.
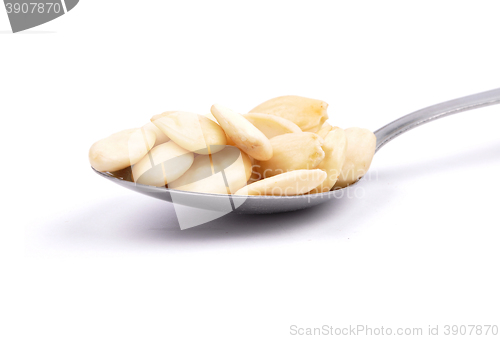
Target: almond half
(272, 125)
(361, 144)
(289, 183)
(191, 131)
(121, 149)
(245, 136)
(292, 151)
(335, 147)
(308, 114)
(162, 165)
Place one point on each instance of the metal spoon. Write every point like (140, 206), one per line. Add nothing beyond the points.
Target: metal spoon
(276, 204)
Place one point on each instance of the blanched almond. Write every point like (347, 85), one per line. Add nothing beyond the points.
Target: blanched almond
(292, 151)
(191, 131)
(228, 139)
(361, 144)
(162, 165)
(289, 183)
(308, 114)
(230, 165)
(272, 125)
(211, 117)
(241, 131)
(121, 149)
(324, 130)
(161, 138)
(335, 147)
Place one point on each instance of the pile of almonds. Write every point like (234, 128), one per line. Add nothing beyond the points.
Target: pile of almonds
(284, 146)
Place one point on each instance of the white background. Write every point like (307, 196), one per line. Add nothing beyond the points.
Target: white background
(84, 258)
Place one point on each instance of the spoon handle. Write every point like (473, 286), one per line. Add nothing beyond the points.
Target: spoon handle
(425, 115)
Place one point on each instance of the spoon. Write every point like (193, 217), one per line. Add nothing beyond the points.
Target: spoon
(276, 204)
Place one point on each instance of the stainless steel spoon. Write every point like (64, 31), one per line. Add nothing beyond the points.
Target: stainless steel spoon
(274, 204)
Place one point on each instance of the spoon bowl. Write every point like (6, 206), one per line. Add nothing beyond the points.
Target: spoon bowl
(276, 204)
(240, 204)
